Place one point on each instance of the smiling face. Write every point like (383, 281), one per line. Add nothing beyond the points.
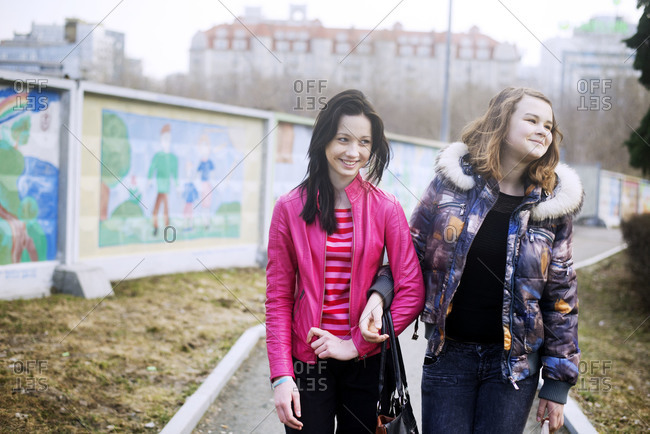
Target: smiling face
(529, 130)
(349, 150)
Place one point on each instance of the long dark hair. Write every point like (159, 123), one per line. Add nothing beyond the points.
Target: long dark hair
(317, 185)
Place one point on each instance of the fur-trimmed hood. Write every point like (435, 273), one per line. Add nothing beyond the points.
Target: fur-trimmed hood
(565, 200)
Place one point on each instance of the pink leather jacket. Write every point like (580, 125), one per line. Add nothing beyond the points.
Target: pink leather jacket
(295, 274)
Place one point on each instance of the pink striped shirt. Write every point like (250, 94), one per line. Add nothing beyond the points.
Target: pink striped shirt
(338, 267)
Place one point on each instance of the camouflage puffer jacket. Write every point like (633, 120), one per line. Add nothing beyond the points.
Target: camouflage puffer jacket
(540, 300)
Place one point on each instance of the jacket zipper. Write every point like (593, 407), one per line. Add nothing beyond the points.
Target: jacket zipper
(462, 206)
(563, 266)
(322, 301)
(445, 285)
(533, 231)
(515, 260)
(352, 274)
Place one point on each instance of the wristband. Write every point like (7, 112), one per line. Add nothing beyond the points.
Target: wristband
(279, 381)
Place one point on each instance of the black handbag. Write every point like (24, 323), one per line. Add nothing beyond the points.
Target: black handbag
(398, 418)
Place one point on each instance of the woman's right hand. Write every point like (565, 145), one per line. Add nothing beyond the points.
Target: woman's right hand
(370, 320)
(283, 396)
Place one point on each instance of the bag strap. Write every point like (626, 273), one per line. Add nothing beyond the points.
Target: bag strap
(401, 386)
(400, 372)
(382, 369)
(387, 327)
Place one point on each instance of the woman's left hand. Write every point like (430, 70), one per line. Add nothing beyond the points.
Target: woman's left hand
(555, 413)
(328, 346)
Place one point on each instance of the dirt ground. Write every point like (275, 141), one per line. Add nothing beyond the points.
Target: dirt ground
(125, 363)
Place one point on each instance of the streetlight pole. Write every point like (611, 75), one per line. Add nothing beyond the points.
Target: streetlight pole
(444, 129)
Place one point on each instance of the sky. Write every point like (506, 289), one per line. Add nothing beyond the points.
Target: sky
(160, 31)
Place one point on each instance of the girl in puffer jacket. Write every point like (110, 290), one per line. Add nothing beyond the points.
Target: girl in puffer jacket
(493, 233)
(326, 243)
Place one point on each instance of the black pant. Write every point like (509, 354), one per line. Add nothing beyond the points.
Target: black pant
(347, 390)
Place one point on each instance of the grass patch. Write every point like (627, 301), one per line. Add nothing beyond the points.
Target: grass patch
(614, 331)
(133, 360)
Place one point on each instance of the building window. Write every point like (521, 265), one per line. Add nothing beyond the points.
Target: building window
(282, 45)
(240, 44)
(363, 48)
(221, 44)
(342, 48)
(423, 51)
(466, 53)
(300, 46)
(483, 54)
(406, 50)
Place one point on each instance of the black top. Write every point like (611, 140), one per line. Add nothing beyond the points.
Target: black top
(478, 302)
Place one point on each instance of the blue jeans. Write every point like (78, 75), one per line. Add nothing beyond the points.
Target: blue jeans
(463, 391)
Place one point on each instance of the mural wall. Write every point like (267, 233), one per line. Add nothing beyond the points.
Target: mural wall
(409, 173)
(158, 178)
(644, 196)
(29, 175)
(162, 173)
(155, 187)
(613, 196)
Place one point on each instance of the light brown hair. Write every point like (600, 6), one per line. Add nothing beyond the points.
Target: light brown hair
(486, 136)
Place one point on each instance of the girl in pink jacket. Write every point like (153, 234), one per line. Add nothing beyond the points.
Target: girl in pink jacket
(326, 242)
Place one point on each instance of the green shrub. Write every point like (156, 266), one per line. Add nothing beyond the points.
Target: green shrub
(636, 232)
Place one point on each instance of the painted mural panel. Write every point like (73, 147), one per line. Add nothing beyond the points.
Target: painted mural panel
(291, 157)
(29, 174)
(644, 197)
(609, 207)
(409, 172)
(166, 178)
(629, 198)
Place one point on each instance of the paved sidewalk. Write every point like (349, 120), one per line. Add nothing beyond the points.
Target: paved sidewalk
(246, 404)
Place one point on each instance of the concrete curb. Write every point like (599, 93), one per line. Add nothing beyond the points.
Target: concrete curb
(595, 259)
(574, 419)
(190, 414)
